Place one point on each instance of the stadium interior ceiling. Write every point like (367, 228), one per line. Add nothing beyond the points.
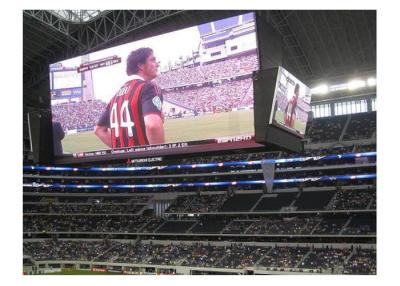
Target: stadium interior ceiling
(318, 45)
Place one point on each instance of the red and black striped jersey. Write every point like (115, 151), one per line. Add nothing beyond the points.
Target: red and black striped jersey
(291, 111)
(125, 112)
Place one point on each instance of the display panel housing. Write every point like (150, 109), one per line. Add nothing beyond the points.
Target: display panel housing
(276, 125)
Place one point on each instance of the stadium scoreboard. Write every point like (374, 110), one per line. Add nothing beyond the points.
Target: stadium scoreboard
(224, 99)
(281, 109)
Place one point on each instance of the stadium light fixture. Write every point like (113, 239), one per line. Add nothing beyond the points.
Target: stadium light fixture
(371, 81)
(356, 84)
(338, 87)
(321, 89)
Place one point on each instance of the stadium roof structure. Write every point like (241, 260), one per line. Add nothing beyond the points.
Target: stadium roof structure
(77, 16)
(318, 45)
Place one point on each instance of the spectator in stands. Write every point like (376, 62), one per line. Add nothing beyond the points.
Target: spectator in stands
(234, 256)
(75, 115)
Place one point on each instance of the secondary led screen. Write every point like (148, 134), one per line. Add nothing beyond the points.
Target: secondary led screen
(291, 103)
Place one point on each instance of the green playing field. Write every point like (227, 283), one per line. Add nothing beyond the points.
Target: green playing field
(81, 272)
(298, 125)
(177, 130)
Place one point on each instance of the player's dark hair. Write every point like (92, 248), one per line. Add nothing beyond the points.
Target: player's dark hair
(136, 58)
(297, 88)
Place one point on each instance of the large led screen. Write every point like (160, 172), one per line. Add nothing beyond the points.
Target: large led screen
(188, 87)
(291, 104)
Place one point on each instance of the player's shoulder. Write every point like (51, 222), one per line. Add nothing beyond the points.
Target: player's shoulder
(135, 81)
(151, 87)
(150, 84)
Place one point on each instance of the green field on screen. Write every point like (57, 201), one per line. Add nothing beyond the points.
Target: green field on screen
(81, 272)
(177, 130)
(298, 125)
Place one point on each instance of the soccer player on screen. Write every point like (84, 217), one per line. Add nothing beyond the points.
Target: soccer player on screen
(290, 111)
(133, 116)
